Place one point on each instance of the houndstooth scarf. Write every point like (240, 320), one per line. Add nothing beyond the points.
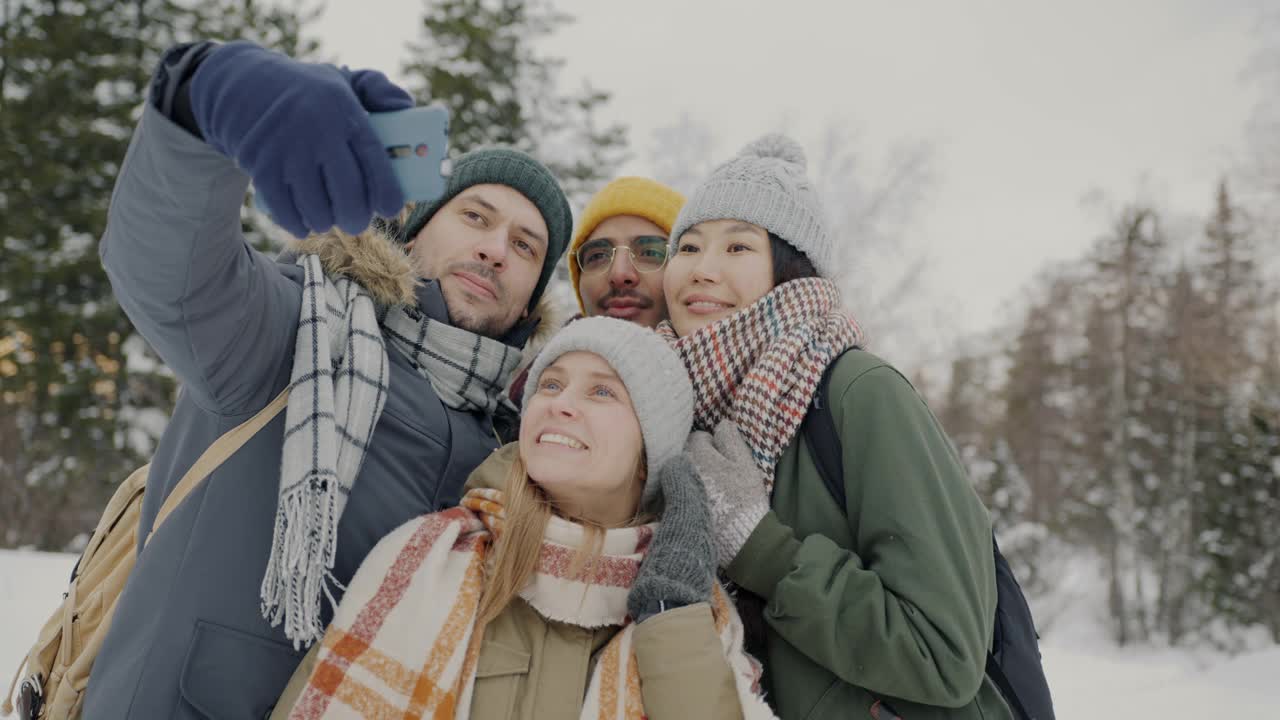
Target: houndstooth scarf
(337, 391)
(405, 641)
(760, 366)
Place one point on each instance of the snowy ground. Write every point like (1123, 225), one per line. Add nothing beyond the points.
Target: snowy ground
(1091, 680)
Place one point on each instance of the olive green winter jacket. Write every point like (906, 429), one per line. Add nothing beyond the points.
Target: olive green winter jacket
(891, 598)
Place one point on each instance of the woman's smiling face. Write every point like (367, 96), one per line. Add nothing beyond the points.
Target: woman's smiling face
(580, 440)
(719, 267)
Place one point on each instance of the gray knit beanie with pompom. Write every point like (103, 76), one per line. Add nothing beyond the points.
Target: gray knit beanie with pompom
(765, 184)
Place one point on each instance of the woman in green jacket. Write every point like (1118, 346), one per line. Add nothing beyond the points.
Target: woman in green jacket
(879, 608)
(551, 593)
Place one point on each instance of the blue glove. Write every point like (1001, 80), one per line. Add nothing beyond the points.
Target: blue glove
(302, 132)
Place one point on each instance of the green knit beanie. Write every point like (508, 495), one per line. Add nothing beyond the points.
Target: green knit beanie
(518, 171)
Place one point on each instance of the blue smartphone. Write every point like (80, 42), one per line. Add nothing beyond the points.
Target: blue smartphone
(417, 142)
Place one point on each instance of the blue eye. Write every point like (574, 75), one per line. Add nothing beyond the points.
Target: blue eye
(549, 385)
(602, 391)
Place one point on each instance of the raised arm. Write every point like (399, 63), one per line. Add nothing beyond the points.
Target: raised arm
(220, 314)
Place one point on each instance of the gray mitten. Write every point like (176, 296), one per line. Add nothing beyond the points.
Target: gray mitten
(680, 567)
(734, 484)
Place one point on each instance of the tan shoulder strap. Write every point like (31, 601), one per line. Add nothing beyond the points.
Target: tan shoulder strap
(217, 453)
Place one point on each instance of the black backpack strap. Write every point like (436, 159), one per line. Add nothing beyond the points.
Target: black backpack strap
(997, 676)
(822, 438)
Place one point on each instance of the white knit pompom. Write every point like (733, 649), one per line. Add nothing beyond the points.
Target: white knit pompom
(779, 146)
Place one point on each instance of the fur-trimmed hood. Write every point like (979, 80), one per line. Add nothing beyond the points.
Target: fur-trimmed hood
(379, 263)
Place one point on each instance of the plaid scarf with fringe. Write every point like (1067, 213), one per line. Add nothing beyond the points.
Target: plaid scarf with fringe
(760, 366)
(338, 388)
(405, 642)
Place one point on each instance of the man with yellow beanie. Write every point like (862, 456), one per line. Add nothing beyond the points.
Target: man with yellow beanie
(617, 256)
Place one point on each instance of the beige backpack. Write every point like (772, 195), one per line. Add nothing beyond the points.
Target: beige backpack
(57, 667)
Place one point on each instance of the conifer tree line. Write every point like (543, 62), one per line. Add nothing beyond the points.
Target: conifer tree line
(1134, 411)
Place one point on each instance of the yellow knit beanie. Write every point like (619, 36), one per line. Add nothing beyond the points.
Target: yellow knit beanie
(637, 196)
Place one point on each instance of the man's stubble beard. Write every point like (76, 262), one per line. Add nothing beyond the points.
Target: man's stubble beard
(460, 313)
(463, 315)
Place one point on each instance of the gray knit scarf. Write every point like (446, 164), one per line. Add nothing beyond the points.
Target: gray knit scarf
(338, 388)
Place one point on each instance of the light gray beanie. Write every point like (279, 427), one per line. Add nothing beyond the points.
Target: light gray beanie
(765, 184)
(655, 378)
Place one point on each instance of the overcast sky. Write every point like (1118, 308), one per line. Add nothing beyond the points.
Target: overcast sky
(1030, 105)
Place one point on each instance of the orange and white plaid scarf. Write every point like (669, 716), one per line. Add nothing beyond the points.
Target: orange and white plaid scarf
(398, 648)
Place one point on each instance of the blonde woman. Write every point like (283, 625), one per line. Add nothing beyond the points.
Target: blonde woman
(552, 591)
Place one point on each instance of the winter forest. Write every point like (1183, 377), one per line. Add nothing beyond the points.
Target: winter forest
(1129, 411)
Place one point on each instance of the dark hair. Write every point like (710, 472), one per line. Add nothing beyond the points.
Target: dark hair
(789, 263)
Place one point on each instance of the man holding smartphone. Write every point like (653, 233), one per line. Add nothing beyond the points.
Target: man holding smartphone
(396, 360)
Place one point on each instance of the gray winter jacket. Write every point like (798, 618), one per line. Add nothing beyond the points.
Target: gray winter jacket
(188, 639)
